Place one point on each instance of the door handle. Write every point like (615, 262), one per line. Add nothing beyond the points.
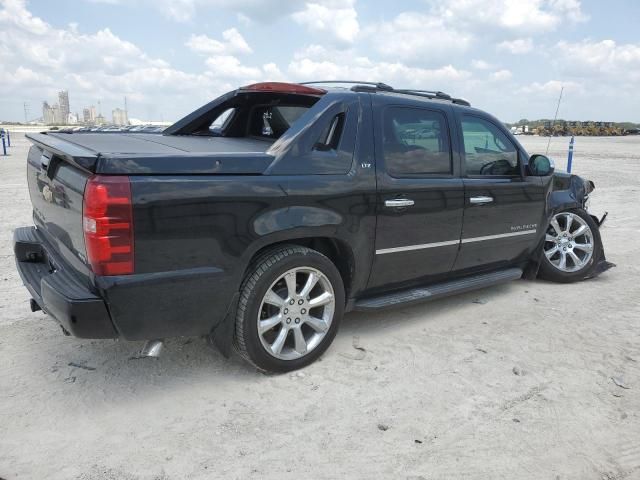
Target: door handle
(480, 200)
(398, 202)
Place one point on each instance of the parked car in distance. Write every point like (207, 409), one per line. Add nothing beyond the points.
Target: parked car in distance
(262, 217)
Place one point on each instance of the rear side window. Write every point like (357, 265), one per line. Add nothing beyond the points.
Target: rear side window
(330, 136)
(221, 120)
(487, 150)
(416, 142)
(272, 121)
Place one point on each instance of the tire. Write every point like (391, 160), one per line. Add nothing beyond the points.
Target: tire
(290, 335)
(561, 242)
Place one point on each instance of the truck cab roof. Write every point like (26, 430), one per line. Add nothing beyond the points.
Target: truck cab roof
(245, 102)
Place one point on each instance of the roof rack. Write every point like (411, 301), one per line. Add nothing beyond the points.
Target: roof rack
(375, 86)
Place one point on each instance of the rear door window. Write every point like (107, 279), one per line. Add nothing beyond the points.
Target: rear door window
(487, 150)
(416, 142)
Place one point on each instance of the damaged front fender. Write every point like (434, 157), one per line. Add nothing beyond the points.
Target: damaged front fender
(568, 192)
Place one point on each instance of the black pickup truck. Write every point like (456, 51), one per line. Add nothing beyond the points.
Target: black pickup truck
(262, 217)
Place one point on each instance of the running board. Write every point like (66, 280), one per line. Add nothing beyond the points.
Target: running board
(433, 292)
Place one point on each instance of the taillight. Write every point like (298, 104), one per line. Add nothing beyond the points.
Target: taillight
(107, 221)
(280, 87)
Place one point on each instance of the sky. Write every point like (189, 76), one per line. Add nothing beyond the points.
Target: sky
(168, 57)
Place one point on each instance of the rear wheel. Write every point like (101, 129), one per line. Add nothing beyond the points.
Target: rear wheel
(572, 246)
(291, 303)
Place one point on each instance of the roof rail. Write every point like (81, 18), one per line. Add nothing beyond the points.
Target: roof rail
(379, 86)
(435, 94)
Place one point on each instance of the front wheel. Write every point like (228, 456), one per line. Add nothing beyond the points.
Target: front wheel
(290, 307)
(572, 247)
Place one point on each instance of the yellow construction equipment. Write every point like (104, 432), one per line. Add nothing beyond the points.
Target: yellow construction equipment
(578, 129)
(544, 130)
(575, 129)
(559, 129)
(590, 128)
(612, 130)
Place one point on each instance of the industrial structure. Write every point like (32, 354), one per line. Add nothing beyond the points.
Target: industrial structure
(58, 113)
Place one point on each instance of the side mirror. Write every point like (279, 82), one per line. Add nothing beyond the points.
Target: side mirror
(540, 166)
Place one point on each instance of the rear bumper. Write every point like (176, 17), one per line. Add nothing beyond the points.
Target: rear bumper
(145, 306)
(59, 292)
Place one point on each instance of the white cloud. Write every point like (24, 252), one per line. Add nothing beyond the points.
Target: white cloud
(572, 9)
(272, 72)
(339, 19)
(606, 58)
(252, 10)
(185, 11)
(328, 65)
(416, 36)
(517, 46)
(16, 14)
(534, 16)
(228, 66)
(38, 60)
(553, 88)
(501, 75)
(22, 77)
(234, 43)
(178, 10)
(481, 65)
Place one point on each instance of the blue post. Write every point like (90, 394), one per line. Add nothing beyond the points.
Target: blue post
(8, 139)
(4, 146)
(570, 159)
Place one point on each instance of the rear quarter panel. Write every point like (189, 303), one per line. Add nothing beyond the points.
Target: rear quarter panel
(212, 225)
(195, 237)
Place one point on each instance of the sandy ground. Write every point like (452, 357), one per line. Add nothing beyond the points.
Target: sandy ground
(432, 396)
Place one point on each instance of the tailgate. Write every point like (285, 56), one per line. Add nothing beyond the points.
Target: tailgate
(57, 177)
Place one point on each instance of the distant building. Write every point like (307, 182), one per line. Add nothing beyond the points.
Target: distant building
(48, 114)
(63, 101)
(120, 117)
(89, 114)
(100, 120)
(57, 115)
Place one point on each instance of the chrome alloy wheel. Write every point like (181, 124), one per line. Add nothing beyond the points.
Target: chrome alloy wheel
(569, 242)
(296, 313)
